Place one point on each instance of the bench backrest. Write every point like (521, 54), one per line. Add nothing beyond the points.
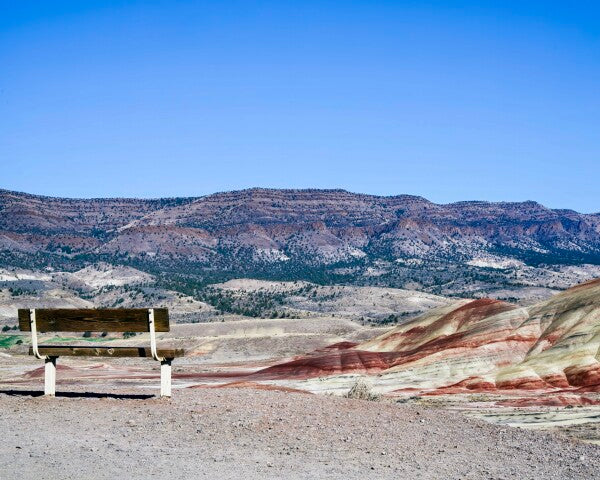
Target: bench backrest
(90, 320)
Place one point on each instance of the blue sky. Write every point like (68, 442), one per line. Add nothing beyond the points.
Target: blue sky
(448, 100)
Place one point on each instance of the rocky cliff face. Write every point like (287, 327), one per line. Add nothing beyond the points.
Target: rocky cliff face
(325, 235)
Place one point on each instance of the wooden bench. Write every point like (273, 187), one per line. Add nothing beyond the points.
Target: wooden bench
(102, 320)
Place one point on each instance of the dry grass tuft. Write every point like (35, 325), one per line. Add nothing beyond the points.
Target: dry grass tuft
(361, 390)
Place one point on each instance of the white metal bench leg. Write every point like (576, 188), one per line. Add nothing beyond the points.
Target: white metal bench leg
(50, 376)
(165, 377)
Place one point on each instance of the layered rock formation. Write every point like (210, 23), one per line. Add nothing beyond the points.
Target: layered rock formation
(324, 235)
(471, 346)
(318, 221)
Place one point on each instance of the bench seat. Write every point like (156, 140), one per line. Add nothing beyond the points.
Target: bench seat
(124, 320)
(77, 351)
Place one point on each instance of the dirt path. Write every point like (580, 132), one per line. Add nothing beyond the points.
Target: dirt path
(254, 434)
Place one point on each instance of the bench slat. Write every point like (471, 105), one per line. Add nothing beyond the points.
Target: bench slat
(66, 351)
(102, 320)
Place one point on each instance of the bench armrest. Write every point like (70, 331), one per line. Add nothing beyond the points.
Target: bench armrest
(153, 336)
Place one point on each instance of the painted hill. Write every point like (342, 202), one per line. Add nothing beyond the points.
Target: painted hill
(510, 250)
(471, 346)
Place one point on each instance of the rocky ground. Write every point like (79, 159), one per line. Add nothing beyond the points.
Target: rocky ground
(249, 433)
(224, 421)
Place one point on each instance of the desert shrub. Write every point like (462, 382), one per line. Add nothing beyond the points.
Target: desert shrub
(16, 291)
(361, 390)
(5, 328)
(104, 334)
(129, 334)
(480, 398)
(7, 341)
(87, 334)
(414, 398)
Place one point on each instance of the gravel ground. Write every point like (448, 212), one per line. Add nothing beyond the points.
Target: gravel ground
(258, 434)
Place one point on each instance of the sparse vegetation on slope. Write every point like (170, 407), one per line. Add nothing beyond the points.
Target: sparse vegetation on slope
(322, 236)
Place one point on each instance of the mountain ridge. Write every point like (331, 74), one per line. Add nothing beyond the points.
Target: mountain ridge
(314, 234)
(7, 191)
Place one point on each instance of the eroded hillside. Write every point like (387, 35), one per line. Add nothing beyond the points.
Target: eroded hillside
(472, 346)
(515, 251)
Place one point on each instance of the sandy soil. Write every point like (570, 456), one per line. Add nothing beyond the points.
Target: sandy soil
(248, 433)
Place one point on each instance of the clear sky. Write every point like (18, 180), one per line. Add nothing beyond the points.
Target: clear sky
(451, 100)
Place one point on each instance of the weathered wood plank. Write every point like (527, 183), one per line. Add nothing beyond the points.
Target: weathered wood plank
(100, 320)
(73, 351)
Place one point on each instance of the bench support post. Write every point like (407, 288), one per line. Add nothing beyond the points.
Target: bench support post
(49, 362)
(165, 377)
(165, 363)
(50, 376)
